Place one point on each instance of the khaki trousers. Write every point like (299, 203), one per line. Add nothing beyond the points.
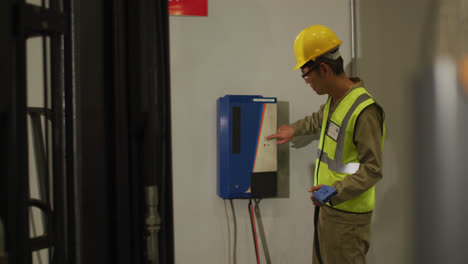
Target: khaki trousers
(342, 237)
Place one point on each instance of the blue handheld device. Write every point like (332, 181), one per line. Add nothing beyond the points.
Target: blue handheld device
(324, 194)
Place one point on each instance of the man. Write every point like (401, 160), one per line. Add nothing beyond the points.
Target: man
(349, 157)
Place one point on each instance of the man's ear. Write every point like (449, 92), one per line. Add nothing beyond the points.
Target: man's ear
(324, 69)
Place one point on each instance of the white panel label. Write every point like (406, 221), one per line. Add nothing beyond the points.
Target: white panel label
(263, 100)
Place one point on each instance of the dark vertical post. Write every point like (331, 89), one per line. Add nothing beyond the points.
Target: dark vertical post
(71, 222)
(6, 38)
(116, 42)
(92, 141)
(6, 75)
(163, 108)
(17, 222)
(58, 227)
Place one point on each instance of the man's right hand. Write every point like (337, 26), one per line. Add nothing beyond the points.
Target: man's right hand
(285, 134)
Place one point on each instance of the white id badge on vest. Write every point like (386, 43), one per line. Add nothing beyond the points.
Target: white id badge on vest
(333, 130)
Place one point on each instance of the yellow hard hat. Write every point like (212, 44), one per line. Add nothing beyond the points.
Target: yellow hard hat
(313, 42)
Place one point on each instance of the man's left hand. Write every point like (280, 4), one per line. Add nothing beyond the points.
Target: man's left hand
(312, 190)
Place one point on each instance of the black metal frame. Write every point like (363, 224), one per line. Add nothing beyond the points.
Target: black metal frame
(130, 127)
(11, 186)
(111, 128)
(53, 22)
(19, 22)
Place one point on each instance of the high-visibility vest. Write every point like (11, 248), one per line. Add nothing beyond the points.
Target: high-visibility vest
(337, 155)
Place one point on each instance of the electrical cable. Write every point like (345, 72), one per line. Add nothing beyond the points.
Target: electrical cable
(254, 231)
(261, 231)
(234, 239)
(317, 209)
(229, 232)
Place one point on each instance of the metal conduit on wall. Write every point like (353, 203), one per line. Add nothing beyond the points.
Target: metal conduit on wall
(353, 38)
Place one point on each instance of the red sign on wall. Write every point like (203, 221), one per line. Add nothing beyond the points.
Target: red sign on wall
(188, 7)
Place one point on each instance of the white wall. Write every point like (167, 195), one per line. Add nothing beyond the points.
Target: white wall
(246, 47)
(242, 47)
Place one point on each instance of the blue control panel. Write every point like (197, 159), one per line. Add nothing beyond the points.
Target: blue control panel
(247, 162)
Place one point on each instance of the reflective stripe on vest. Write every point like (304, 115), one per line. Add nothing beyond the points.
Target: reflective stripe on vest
(348, 168)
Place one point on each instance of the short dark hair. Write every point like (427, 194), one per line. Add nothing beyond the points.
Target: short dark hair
(335, 65)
